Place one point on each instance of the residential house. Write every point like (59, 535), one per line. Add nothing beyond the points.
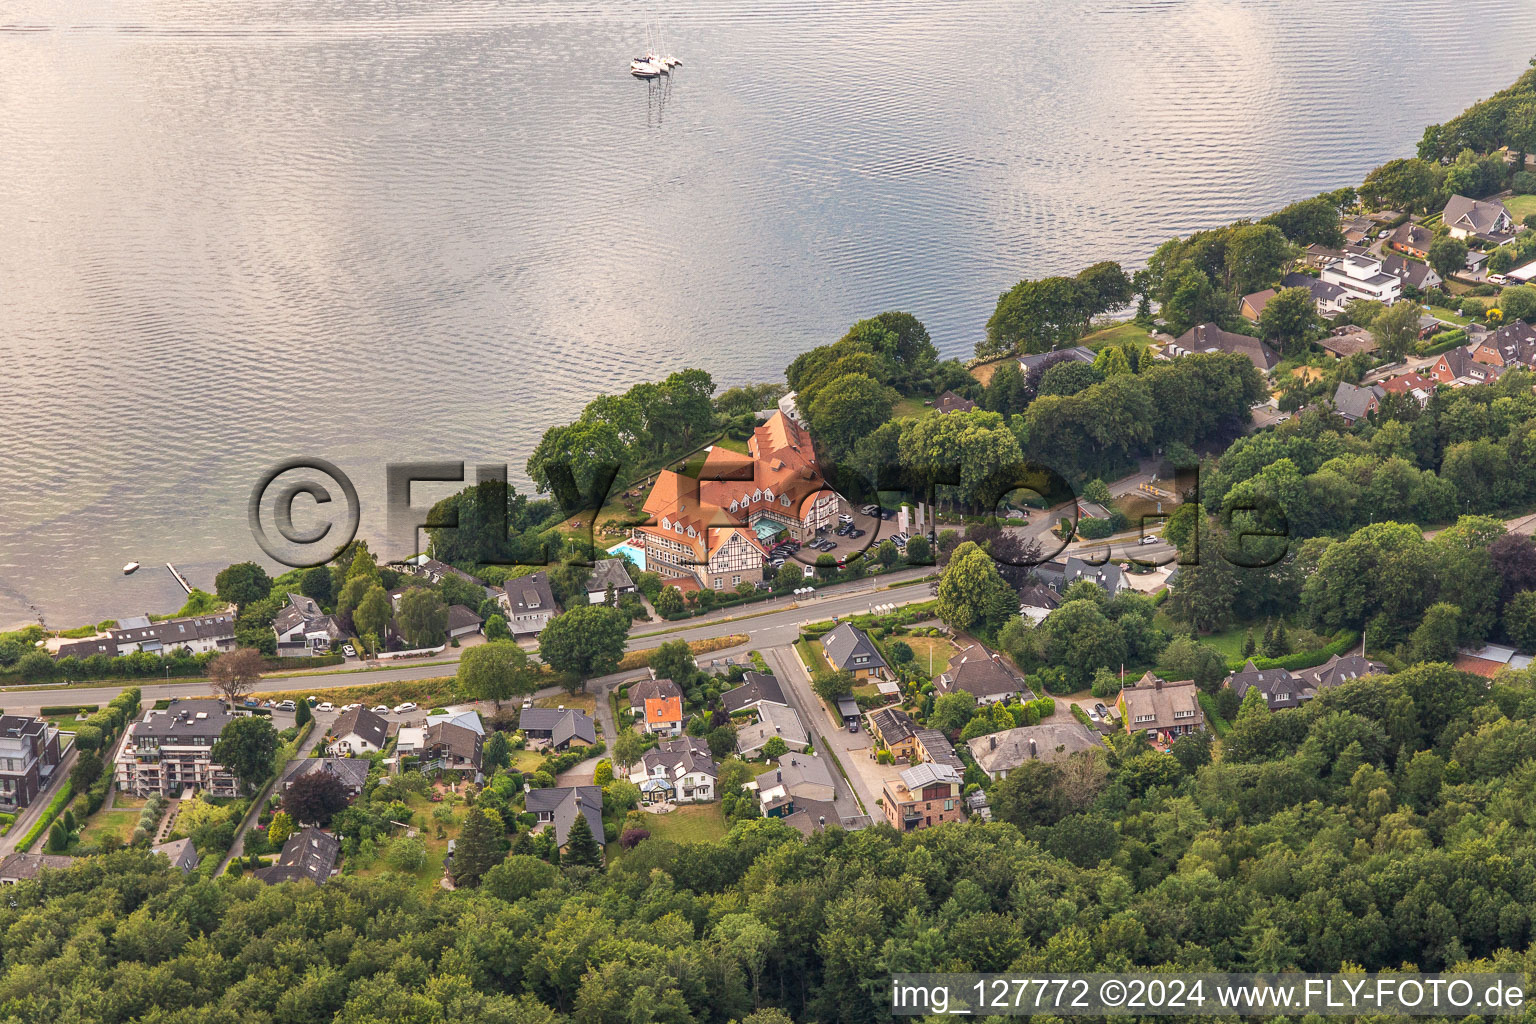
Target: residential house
(999, 753)
(169, 751)
(358, 731)
(1355, 403)
(194, 634)
(1488, 660)
(676, 771)
(1412, 273)
(449, 747)
(850, 649)
(812, 816)
(788, 408)
(308, 855)
(1319, 256)
(984, 676)
(557, 808)
(1363, 278)
(1209, 338)
(434, 572)
(463, 621)
(1279, 688)
(1511, 345)
(1460, 368)
(181, 853)
(894, 730)
(932, 745)
(609, 573)
(19, 867)
(1058, 576)
(951, 402)
(29, 753)
(712, 530)
(559, 728)
(1253, 305)
(1412, 239)
(1345, 341)
(528, 603)
(772, 720)
(1485, 220)
(1429, 326)
(922, 796)
(351, 772)
(797, 776)
(1329, 298)
(303, 629)
(1357, 230)
(1075, 354)
(1163, 710)
(755, 688)
(658, 705)
(1416, 385)
(1336, 671)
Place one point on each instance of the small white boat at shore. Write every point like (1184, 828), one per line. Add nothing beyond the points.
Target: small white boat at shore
(130, 568)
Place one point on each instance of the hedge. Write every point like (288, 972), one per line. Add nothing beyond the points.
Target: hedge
(1082, 716)
(316, 661)
(55, 807)
(1208, 705)
(76, 709)
(1305, 659)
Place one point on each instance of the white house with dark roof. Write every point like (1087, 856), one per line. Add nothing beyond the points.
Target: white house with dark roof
(849, 649)
(359, 731)
(772, 720)
(463, 621)
(609, 573)
(1486, 220)
(303, 629)
(676, 771)
(180, 852)
(755, 688)
(199, 634)
(556, 808)
(984, 676)
(1363, 278)
(529, 603)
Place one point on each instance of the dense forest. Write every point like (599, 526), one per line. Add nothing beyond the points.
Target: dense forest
(1387, 823)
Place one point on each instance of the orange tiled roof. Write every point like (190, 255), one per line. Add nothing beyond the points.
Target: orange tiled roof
(1477, 666)
(663, 709)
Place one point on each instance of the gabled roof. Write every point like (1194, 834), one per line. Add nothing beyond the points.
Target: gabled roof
(308, 854)
(1211, 338)
(756, 687)
(1346, 341)
(180, 852)
(30, 865)
(847, 642)
(797, 770)
(951, 402)
(609, 572)
(663, 710)
(303, 610)
(1258, 300)
(648, 689)
(530, 593)
(352, 771)
(981, 674)
(1168, 704)
(1354, 403)
(1412, 236)
(892, 724)
(460, 742)
(1409, 271)
(562, 725)
(773, 720)
(362, 723)
(1280, 688)
(1479, 216)
(680, 757)
(1048, 741)
(461, 617)
(563, 804)
(1322, 291)
(1340, 669)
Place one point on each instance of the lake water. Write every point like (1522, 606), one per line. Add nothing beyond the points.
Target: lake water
(244, 230)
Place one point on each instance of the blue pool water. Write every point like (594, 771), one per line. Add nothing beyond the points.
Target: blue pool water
(636, 555)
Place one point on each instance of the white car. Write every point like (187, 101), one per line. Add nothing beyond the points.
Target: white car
(380, 709)
(325, 706)
(349, 650)
(287, 705)
(1497, 279)
(404, 709)
(1150, 538)
(349, 707)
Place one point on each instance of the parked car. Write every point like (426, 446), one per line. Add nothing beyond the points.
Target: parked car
(1498, 279)
(1093, 713)
(349, 650)
(855, 532)
(844, 517)
(325, 706)
(853, 726)
(380, 709)
(287, 705)
(405, 709)
(776, 562)
(269, 703)
(349, 707)
(887, 513)
(870, 510)
(1102, 710)
(1150, 538)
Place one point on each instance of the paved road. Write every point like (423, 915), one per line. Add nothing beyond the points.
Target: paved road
(825, 733)
(32, 811)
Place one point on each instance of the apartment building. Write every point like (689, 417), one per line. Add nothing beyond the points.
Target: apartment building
(29, 752)
(170, 751)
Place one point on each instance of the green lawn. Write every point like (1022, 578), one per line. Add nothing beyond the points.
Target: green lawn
(811, 654)
(910, 407)
(699, 823)
(116, 822)
(1449, 316)
(1120, 334)
(1229, 641)
(1520, 207)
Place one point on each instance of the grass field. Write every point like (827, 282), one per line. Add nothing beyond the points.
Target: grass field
(930, 650)
(584, 701)
(640, 659)
(1449, 315)
(429, 875)
(699, 823)
(115, 822)
(1120, 334)
(1520, 207)
(811, 654)
(910, 407)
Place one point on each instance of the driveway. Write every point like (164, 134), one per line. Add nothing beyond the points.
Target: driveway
(237, 848)
(826, 735)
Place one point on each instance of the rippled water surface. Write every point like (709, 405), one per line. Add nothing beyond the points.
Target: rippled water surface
(235, 231)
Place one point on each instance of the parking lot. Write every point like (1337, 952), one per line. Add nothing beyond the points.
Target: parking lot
(843, 546)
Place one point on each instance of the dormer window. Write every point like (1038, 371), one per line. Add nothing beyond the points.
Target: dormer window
(784, 500)
(735, 506)
(666, 524)
(757, 495)
(768, 494)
